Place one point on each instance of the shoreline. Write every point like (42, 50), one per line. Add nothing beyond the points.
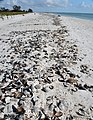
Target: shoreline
(83, 16)
(46, 66)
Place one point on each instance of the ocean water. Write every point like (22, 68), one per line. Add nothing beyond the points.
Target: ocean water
(88, 16)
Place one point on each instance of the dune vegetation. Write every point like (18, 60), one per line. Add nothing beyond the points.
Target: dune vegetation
(15, 11)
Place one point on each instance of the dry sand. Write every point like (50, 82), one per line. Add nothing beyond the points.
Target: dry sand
(46, 68)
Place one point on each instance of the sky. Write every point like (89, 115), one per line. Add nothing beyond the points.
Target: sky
(81, 6)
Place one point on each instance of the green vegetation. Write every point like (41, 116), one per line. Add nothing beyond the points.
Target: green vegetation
(7, 13)
(15, 11)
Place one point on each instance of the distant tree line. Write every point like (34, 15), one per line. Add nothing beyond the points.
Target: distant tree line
(16, 8)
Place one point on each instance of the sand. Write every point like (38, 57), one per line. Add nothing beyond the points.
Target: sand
(46, 68)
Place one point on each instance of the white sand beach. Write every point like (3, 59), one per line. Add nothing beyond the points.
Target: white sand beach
(46, 68)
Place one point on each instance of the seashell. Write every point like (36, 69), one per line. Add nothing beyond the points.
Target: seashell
(44, 89)
(0, 94)
(59, 104)
(13, 90)
(47, 80)
(20, 102)
(80, 87)
(74, 89)
(91, 108)
(65, 84)
(58, 72)
(17, 94)
(25, 83)
(19, 110)
(7, 99)
(33, 101)
(1, 107)
(3, 98)
(91, 88)
(51, 107)
(40, 115)
(70, 117)
(58, 114)
(44, 115)
(51, 87)
(86, 86)
(71, 80)
(81, 112)
(49, 99)
(14, 109)
(84, 69)
(2, 116)
(72, 75)
(61, 80)
(37, 86)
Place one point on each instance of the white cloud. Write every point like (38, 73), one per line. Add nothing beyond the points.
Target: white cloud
(86, 5)
(36, 3)
(57, 3)
(10, 3)
(66, 2)
(15, 2)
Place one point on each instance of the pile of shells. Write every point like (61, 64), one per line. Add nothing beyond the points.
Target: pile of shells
(35, 63)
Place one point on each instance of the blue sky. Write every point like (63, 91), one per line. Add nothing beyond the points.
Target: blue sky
(51, 5)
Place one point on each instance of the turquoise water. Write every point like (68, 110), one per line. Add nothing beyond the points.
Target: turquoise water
(88, 16)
